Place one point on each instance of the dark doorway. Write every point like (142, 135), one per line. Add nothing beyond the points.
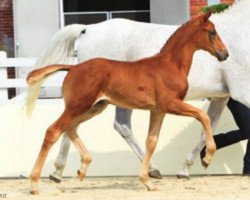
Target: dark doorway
(93, 11)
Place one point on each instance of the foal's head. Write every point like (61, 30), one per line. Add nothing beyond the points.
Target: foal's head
(208, 39)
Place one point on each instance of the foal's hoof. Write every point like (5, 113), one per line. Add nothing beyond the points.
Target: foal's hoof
(55, 178)
(182, 175)
(155, 173)
(152, 188)
(80, 174)
(204, 163)
(34, 192)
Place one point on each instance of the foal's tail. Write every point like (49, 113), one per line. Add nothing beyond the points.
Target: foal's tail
(35, 80)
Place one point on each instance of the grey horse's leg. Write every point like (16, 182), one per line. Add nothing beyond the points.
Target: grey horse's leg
(61, 159)
(215, 109)
(122, 125)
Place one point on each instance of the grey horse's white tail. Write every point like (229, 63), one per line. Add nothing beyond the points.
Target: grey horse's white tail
(59, 50)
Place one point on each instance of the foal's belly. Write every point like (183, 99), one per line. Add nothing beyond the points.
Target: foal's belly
(139, 100)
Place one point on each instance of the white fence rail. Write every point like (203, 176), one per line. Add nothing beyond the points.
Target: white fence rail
(20, 82)
(5, 62)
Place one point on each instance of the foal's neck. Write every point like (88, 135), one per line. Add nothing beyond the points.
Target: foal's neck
(181, 46)
(180, 52)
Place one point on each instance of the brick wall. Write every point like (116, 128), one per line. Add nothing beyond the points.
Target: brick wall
(7, 35)
(6, 27)
(197, 5)
(227, 1)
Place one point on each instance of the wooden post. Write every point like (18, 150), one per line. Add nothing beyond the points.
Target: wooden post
(3, 75)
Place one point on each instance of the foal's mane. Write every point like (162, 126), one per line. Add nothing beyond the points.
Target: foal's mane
(178, 32)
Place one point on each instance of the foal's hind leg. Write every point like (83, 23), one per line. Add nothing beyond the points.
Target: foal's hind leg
(67, 122)
(84, 154)
(181, 108)
(151, 142)
(52, 135)
(65, 144)
(122, 125)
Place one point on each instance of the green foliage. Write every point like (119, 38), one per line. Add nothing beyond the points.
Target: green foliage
(215, 8)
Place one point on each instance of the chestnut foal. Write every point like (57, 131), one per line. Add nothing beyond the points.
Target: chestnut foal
(157, 83)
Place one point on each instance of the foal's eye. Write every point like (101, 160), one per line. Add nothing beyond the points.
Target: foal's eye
(211, 35)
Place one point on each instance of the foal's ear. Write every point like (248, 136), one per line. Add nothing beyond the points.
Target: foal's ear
(206, 16)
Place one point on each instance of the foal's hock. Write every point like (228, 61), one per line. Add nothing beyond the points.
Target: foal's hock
(158, 83)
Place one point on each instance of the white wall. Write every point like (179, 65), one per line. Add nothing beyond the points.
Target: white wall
(169, 12)
(21, 139)
(35, 23)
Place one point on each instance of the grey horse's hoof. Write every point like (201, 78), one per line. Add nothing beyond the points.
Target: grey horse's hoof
(155, 173)
(55, 178)
(182, 176)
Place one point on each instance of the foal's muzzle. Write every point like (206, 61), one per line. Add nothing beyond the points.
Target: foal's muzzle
(221, 55)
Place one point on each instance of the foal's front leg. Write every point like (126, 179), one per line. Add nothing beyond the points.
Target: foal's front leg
(179, 107)
(122, 125)
(156, 119)
(215, 109)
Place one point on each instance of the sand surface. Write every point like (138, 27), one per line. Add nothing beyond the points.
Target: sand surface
(129, 188)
